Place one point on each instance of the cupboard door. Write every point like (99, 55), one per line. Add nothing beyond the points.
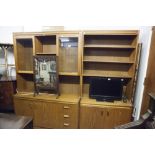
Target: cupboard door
(92, 117)
(43, 115)
(122, 116)
(57, 116)
(104, 117)
(23, 107)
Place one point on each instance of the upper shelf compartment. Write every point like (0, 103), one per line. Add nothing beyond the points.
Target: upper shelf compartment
(110, 41)
(68, 55)
(24, 50)
(45, 44)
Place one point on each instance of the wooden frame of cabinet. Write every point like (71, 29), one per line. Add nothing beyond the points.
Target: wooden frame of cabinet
(82, 55)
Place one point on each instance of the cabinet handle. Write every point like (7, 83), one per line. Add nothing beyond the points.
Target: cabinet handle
(66, 124)
(107, 113)
(66, 116)
(66, 107)
(101, 113)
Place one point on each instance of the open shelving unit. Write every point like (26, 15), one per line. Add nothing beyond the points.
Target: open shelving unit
(24, 54)
(69, 64)
(65, 46)
(24, 51)
(45, 44)
(109, 54)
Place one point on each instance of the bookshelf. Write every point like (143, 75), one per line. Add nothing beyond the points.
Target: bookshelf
(110, 54)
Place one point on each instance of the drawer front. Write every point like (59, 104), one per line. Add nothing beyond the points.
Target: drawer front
(66, 116)
(70, 116)
(48, 114)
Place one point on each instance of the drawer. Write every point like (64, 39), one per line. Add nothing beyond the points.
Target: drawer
(66, 115)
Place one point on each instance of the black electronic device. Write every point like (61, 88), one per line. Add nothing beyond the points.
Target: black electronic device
(106, 89)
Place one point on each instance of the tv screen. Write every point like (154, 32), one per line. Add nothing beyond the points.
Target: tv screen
(106, 89)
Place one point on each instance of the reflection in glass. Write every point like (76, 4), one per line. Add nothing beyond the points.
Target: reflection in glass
(68, 54)
(45, 70)
(2, 56)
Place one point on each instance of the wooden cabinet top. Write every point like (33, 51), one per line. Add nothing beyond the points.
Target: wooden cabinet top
(48, 98)
(92, 102)
(85, 32)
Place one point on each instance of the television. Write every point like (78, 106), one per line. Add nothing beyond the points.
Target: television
(106, 89)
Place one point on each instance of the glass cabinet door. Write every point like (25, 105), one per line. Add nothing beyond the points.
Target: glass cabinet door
(2, 56)
(68, 55)
(3, 71)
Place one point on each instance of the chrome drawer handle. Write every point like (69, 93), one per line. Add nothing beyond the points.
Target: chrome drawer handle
(66, 107)
(66, 124)
(66, 116)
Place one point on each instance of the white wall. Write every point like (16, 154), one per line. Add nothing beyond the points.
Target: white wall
(6, 33)
(144, 38)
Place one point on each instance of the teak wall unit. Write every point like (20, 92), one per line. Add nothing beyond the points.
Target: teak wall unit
(81, 55)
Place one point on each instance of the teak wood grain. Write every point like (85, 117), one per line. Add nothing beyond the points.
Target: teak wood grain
(98, 53)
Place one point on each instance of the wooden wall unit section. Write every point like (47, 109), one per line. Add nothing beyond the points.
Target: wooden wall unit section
(69, 53)
(24, 51)
(110, 54)
(48, 111)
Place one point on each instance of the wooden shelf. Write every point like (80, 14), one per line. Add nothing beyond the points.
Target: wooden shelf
(117, 74)
(69, 73)
(110, 46)
(25, 72)
(45, 53)
(112, 32)
(108, 61)
(69, 98)
(85, 100)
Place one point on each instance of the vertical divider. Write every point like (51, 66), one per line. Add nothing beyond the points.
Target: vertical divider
(81, 74)
(33, 45)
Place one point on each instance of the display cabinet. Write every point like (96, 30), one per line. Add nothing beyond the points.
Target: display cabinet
(7, 77)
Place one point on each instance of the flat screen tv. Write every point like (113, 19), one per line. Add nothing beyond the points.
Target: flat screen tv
(106, 89)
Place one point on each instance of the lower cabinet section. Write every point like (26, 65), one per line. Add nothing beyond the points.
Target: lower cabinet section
(56, 115)
(64, 115)
(95, 117)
